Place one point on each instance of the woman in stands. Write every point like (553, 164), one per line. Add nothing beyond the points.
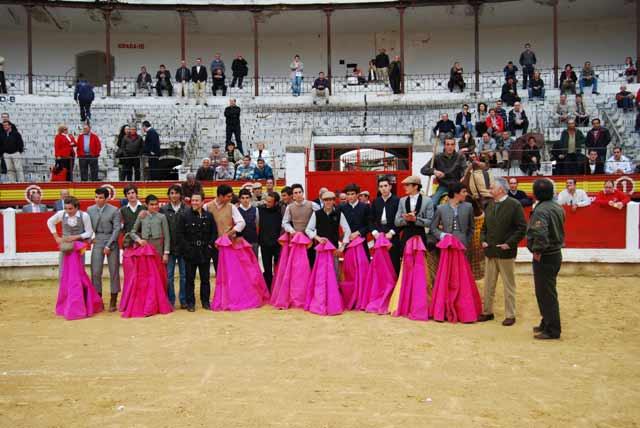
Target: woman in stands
(480, 117)
(630, 70)
(467, 143)
(456, 80)
(64, 152)
(530, 162)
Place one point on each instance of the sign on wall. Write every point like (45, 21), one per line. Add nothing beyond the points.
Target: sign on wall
(130, 45)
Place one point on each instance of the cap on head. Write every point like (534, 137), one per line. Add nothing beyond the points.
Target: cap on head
(412, 179)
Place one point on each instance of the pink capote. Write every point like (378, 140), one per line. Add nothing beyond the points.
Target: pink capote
(239, 281)
(381, 277)
(455, 294)
(290, 288)
(77, 298)
(355, 290)
(278, 272)
(145, 283)
(323, 291)
(412, 302)
(127, 269)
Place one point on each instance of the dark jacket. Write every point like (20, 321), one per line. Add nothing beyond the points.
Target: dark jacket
(599, 143)
(129, 217)
(528, 154)
(183, 74)
(152, 143)
(263, 174)
(563, 77)
(545, 234)
(204, 174)
(445, 127)
(536, 83)
(143, 78)
(167, 74)
(521, 197)
(512, 122)
(382, 60)
(358, 217)
(321, 83)
(83, 93)
(232, 115)
(270, 225)
(132, 147)
(199, 77)
(197, 234)
(599, 167)
(390, 208)
(510, 72)
(189, 189)
(562, 146)
(395, 69)
(239, 67)
(172, 218)
(504, 223)
(11, 143)
(452, 166)
(459, 118)
(507, 96)
(528, 59)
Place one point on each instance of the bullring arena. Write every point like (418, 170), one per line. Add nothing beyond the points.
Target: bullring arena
(275, 366)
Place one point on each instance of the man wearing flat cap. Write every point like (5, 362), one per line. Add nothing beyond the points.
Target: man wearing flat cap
(415, 211)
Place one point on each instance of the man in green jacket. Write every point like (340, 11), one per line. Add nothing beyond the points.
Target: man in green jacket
(545, 239)
(504, 227)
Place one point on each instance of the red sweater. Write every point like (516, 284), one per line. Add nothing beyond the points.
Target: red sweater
(603, 199)
(498, 120)
(94, 146)
(62, 147)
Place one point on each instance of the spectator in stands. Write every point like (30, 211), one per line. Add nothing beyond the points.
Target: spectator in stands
(445, 128)
(217, 64)
(270, 185)
(59, 204)
(372, 73)
(510, 92)
(598, 138)
(518, 120)
(624, 99)
(480, 118)
(262, 153)
(245, 171)
(217, 79)
(528, 62)
(536, 86)
(321, 85)
(215, 156)
(463, 121)
(173, 211)
(83, 95)
(495, 123)
(382, 65)
(501, 112)
(199, 77)
(225, 171)
(342, 198)
(205, 172)
(630, 70)
(3, 82)
(467, 144)
(183, 77)
(11, 149)
(519, 195)
(487, 149)
(503, 146)
(163, 81)
(143, 81)
(151, 150)
(592, 164)
(510, 71)
(395, 75)
(582, 117)
(232, 118)
(191, 187)
(131, 155)
(588, 78)
(270, 224)
(34, 205)
(637, 127)
(448, 167)
(563, 110)
(611, 197)
(618, 163)
(297, 74)
(568, 80)
(240, 69)
(262, 171)
(357, 73)
(64, 145)
(530, 162)
(456, 78)
(575, 198)
(233, 155)
(568, 151)
(251, 218)
(89, 148)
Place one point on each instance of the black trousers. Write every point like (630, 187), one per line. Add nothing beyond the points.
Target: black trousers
(205, 283)
(270, 255)
(3, 83)
(168, 88)
(545, 273)
(234, 130)
(85, 111)
(128, 166)
(88, 169)
(394, 81)
(396, 253)
(527, 74)
(154, 164)
(214, 258)
(219, 85)
(67, 163)
(238, 79)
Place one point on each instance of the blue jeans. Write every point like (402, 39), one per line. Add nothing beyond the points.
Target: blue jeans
(541, 94)
(439, 194)
(296, 82)
(171, 269)
(594, 84)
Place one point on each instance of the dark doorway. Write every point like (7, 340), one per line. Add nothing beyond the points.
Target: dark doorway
(92, 65)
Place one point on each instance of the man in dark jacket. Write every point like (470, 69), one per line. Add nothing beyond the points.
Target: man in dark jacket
(130, 153)
(383, 215)
(199, 77)
(239, 69)
(382, 65)
(83, 96)
(11, 149)
(598, 138)
(517, 194)
(593, 165)
(510, 71)
(504, 227)
(445, 128)
(518, 119)
(510, 92)
(232, 116)
(197, 234)
(163, 81)
(395, 75)
(173, 211)
(448, 167)
(528, 62)
(151, 150)
(463, 121)
(183, 77)
(143, 81)
(270, 225)
(545, 239)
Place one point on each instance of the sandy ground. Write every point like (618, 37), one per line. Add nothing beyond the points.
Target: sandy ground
(268, 368)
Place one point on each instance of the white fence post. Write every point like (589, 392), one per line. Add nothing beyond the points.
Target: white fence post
(633, 226)
(9, 223)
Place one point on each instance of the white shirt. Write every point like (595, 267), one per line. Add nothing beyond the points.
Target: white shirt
(413, 201)
(135, 207)
(176, 208)
(286, 218)
(623, 164)
(311, 232)
(73, 221)
(264, 155)
(383, 217)
(35, 208)
(238, 221)
(579, 198)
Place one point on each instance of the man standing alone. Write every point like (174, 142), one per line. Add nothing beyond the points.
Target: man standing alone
(504, 227)
(151, 149)
(232, 116)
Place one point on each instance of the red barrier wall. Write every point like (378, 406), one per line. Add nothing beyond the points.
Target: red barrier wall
(32, 233)
(1, 234)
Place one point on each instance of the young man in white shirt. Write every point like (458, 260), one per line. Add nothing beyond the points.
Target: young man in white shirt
(618, 163)
(575, 198)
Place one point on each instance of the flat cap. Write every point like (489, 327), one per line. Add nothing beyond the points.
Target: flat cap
(412, 179)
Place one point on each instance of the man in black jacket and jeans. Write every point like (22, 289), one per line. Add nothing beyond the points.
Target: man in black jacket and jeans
(270, 225)
(232, 116)
(239, 69)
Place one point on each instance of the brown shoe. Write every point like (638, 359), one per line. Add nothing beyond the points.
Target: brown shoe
(113, 304)
(544, 336)
(485, 317)
(508, 322)
(537, 329)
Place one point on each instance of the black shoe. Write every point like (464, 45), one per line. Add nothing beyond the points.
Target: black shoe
(206, 306)
(508, 322)
(206, 105)
(595, 93)
(544, 336)
(537, 329)
(183, 306)
(191, 309)
(487, 317)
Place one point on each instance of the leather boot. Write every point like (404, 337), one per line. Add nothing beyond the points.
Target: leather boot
(113, 303)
